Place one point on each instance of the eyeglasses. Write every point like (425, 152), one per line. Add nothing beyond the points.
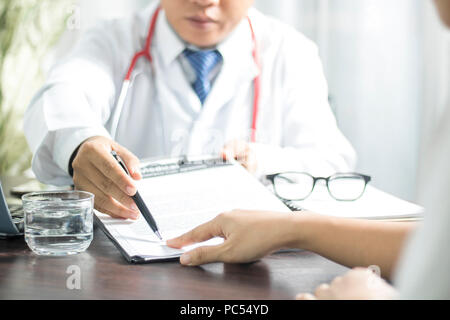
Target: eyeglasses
(294, 186)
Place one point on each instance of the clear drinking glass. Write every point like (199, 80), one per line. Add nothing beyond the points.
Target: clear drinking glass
(58, 223)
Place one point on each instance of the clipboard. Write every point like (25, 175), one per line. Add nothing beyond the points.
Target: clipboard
(183, 193)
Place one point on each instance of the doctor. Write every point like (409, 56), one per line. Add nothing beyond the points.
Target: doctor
(183, 77)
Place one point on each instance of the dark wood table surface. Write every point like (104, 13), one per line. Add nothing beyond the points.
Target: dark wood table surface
(105, 274)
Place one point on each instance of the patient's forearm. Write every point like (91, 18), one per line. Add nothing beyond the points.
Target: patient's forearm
(354, 242)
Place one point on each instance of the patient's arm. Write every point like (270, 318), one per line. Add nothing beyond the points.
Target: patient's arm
(354, 242)
(250, 235)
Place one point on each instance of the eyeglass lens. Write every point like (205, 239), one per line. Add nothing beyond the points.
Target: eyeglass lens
(298, 186)
(346, 187)
(293, 186)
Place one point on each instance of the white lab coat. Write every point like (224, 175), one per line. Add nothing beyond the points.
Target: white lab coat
(296, 129)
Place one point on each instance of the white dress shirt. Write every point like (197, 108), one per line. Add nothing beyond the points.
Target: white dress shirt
(163, 116)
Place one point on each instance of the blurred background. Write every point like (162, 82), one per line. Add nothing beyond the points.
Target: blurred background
(387, 64)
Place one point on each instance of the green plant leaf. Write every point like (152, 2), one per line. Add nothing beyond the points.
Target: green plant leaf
(22, 29)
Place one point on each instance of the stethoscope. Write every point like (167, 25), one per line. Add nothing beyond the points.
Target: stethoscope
(146, 53)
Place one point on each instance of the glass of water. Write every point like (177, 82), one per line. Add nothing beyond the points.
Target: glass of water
(58, 223)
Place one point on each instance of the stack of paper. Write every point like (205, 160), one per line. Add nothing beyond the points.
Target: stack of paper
(374, 204)
(180, 202)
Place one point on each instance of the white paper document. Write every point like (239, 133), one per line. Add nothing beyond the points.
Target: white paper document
(180, 202)
(374, 205)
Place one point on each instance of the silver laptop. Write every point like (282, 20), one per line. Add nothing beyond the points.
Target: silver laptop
(11, 218)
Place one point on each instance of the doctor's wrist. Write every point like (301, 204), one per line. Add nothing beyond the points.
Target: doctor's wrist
(77, 149)
(72, 157)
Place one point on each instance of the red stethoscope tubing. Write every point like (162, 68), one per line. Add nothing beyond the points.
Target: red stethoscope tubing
(146, 53)
(256, 83)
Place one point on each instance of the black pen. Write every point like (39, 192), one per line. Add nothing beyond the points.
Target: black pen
(138, 199)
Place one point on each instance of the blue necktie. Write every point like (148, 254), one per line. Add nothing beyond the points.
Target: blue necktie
(203, 62)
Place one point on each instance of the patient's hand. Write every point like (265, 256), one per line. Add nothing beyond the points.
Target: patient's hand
(357, 284)
(248, 236)
(95, 170)
(240, 151)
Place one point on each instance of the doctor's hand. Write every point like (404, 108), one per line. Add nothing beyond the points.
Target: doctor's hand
(248, 236)
(95, 170)
(357, 284)
(241, 151)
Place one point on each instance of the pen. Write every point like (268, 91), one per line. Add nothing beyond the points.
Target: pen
(138, 199)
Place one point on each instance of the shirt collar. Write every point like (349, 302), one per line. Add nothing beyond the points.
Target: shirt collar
(169, 44)
(236, 49)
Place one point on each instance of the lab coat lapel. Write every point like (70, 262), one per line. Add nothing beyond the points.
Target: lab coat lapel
(181, 109)
(238, 70)
(175, 80)
(169, 72)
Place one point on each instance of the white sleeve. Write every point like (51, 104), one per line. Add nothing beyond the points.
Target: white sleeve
(74, 104)
(312, 141)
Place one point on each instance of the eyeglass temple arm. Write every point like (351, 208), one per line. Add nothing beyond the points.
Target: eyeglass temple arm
(271, 177)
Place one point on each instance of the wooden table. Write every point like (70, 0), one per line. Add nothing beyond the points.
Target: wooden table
(106, 275)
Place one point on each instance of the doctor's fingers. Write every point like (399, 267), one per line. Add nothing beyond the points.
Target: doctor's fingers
(242, 153)
(104, 162)
(132, 162)
(236, 149)
(201, 233)
(109, 188)
(103, 202)
(250, 162)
